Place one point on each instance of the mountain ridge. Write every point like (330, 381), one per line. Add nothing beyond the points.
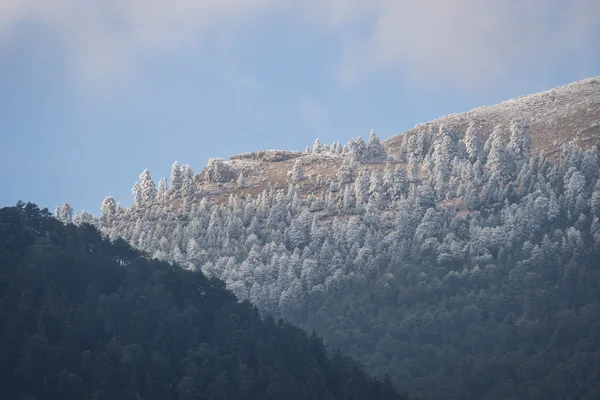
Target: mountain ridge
(576, 107)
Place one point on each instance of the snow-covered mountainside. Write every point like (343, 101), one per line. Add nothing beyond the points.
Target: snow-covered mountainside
(458, 258)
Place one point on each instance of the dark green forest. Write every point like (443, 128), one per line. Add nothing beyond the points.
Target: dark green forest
(86, 317)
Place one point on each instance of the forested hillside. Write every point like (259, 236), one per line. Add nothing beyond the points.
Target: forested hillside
(83, 317)
(464, 265)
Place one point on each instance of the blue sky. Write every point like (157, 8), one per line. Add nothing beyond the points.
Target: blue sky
(93, 92)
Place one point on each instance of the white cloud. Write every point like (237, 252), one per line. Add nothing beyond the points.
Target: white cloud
(103, 36)
(459, 41)
(473, 41)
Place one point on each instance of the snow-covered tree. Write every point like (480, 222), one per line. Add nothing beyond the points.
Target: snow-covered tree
(496, 160)
(147, 187)
(163, 189)
(413, 169)
(66, 213)
(361, 187)
(520, 141)
(241, 181)
(297, 172)
(176, 179)
(317, 147)
(375, 149)
(108, 208)
(415, 147)
(336, 148)
(473, 142)
(346, 171)
(375, 183)
(518, 147)
(188, 186)
(136, 190)
(86, 218)
(358, 148)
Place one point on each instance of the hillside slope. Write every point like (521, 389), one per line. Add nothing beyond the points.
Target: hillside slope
(553, 117)
(465, 269)
(85, 318)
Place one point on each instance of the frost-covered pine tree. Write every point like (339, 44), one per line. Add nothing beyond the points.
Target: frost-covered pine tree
(66, 213)
(319, 181)
(163, 189)
(473, 143)
(496, 160)
(518, 147)
(375, 149)
(348, 200)
(520, 140)
(188, 186)
(147, 187)
(86, 218)
(375, 183)
(361, 187)
(358, 148)
(345, 173)
(336, 148)
(241, 181)
(108, 208)
(442, 156)
(399, 184)
(317, 147)
(136, 190)
(415, 147)
(413, 169)
(297, 172)
(176, 179)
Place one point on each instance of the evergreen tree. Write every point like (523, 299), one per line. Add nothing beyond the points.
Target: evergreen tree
(496, 160)
(359, 150)
(413, 169)
(188, 186)
(297, 172)
(518, 147)
(109, 208)
(346, 171)
(147, 188)
(163, 190)
(361, 187)
(473, 143)
(176, 179)
(375, 149)
(241, 180)
(66, 213)
(317, 147)
(138, 200)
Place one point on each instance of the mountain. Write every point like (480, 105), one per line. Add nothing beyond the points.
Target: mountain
(553, 118)
(459, 258)
(86, 318)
